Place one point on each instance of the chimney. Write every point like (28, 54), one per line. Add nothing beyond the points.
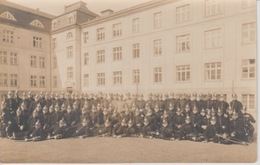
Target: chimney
(106, 12)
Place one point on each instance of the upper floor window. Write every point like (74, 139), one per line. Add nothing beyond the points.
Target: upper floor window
(8, 15)
(13, 58)
(100, 34)
(37, 23)
(213, 71)
(136, 50)
(249, 33)
(213, 38)
(3, 79)
(100, 56)
(136, 76)
(69, 51)
(248, 3)
(117, 30)
(213, 7)
(248, 68)
(37, 42)
(54, 62)
(183, 73)
(69, 35)
(248, 101)
(42, 62)
(183, 43)
(183, 14)
(136, 25)
(55, 81)
(101, 79)
(117, 53)
(157, 47)
(86, 80)
(33, 81)
(157, 20)
(117, 77)
(33, 61)
(54, 43)
(71, 19)
(42, 81)
(86, 59)
(69, 72)
(85, 37)
(157, 75)
(13, 80)
(3, 57)
(8, 36)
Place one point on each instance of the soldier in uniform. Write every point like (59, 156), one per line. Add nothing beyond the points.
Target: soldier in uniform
(248, 119)
(35, 134)
(196, 121)
(178, 121)
(10, 105)
(146, 129)
(236, 105)
(187, 129)
(165, 131)
(141, 102)
(105, 129)
(120, 130)
(34, 104)
(212, 131)
(60, 132)
(222, 104)
(237, 131)
(84, 129)
(131, 130)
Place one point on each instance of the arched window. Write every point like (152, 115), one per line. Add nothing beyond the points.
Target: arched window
(8, 15)
(69, 35)
(37, 23)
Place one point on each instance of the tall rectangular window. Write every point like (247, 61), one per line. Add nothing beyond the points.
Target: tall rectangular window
(13, 58)
(100, 34)
(157, 75)
(183, 73)
(213, 7)
(248, 69)
(157, 20)
(136, 76)
(117, 78)
(136, 50)
(13, 80)
(70, 52)
(248, 101)
(85, 37)
(117, 30)
(33, 61)
(86, 59)
(135, 25)
(3, 79)
(157, 47)
(3, 57)
(249, 33)
(55, 82)
(55, 62)
(183, 43)
(117, 53)
(248, 3)
(101, 79)
(37, 42)
(100, 56)
(54, 43)
(42, 62)
(213, 39)
(213, 71)
(33, 81)
(69, 72)
(42, 81)
(86, 80)
(8, 36)
(183, 14)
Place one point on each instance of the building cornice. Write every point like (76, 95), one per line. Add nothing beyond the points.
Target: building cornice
(65, 28)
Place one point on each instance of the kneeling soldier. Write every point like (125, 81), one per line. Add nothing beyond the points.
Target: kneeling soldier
(35, 134)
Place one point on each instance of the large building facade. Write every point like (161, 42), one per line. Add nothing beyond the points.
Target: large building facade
(160, 46)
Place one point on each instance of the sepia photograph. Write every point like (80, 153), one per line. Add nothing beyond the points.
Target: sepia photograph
(128, 81)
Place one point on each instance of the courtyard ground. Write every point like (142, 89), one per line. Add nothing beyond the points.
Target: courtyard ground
(114, 150)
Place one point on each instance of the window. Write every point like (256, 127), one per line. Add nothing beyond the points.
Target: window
(8, 36)
(136, 50)
(55, 24)
(248, 33)
(183, 43)
(157, 47)
(183, 13)
(248, 68)
(69, 72)
(157, 75)
(3, 57)
(3, 79)
(37, 23)
(248, 3)
(136, 76)
(13, 58)
(13, 80)
(71, 19)
(69, 35)
(86, 80)
(54, 43)
(183, 73)
(7, 15)
(100, 56)
(42, 62)
(213, 39)
(117, 53)
(69, 52)
(101, 79)
(55, 82)
(117, 77)
(117, 30)
(100, 34)
(136, 25)
(54, 62)
(33, 61)
(213, 7)
(85, 37)
(86, 59)
(42, 81)
(213, 71)
(37, 42)
(33, 81)
(157, 20)
(248, 101)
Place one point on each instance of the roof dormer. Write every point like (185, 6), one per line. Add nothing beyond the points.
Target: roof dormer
(37, 23)
(8, 15)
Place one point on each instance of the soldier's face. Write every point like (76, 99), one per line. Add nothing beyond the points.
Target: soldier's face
(213, 122)
(203, 113)
(45, 111)
(187, 121)
(165, 124)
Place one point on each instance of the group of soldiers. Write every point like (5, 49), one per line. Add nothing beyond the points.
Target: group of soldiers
(203, 117)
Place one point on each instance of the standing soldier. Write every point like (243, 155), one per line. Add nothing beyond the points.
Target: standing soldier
(236, 105)
(34, 104)
(222, 104)
(10, 104)
(193, 102)
(141, 102)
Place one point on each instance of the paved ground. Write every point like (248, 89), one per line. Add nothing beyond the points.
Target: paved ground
(128, 150)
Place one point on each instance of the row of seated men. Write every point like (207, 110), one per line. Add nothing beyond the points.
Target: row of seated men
(222, 123)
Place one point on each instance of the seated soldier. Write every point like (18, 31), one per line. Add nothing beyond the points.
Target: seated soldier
(146, 129)
(248, 119)
(60, 132)
(166, 131)
(211, 131)
(138, 121)
(120, 130)
(187, 129)
(196, 121)
(19, 125)
(237, 131)
(84, 129)
(105, 129)
(47, 121)
(35, 134)
(178, 121)
(131, 130)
